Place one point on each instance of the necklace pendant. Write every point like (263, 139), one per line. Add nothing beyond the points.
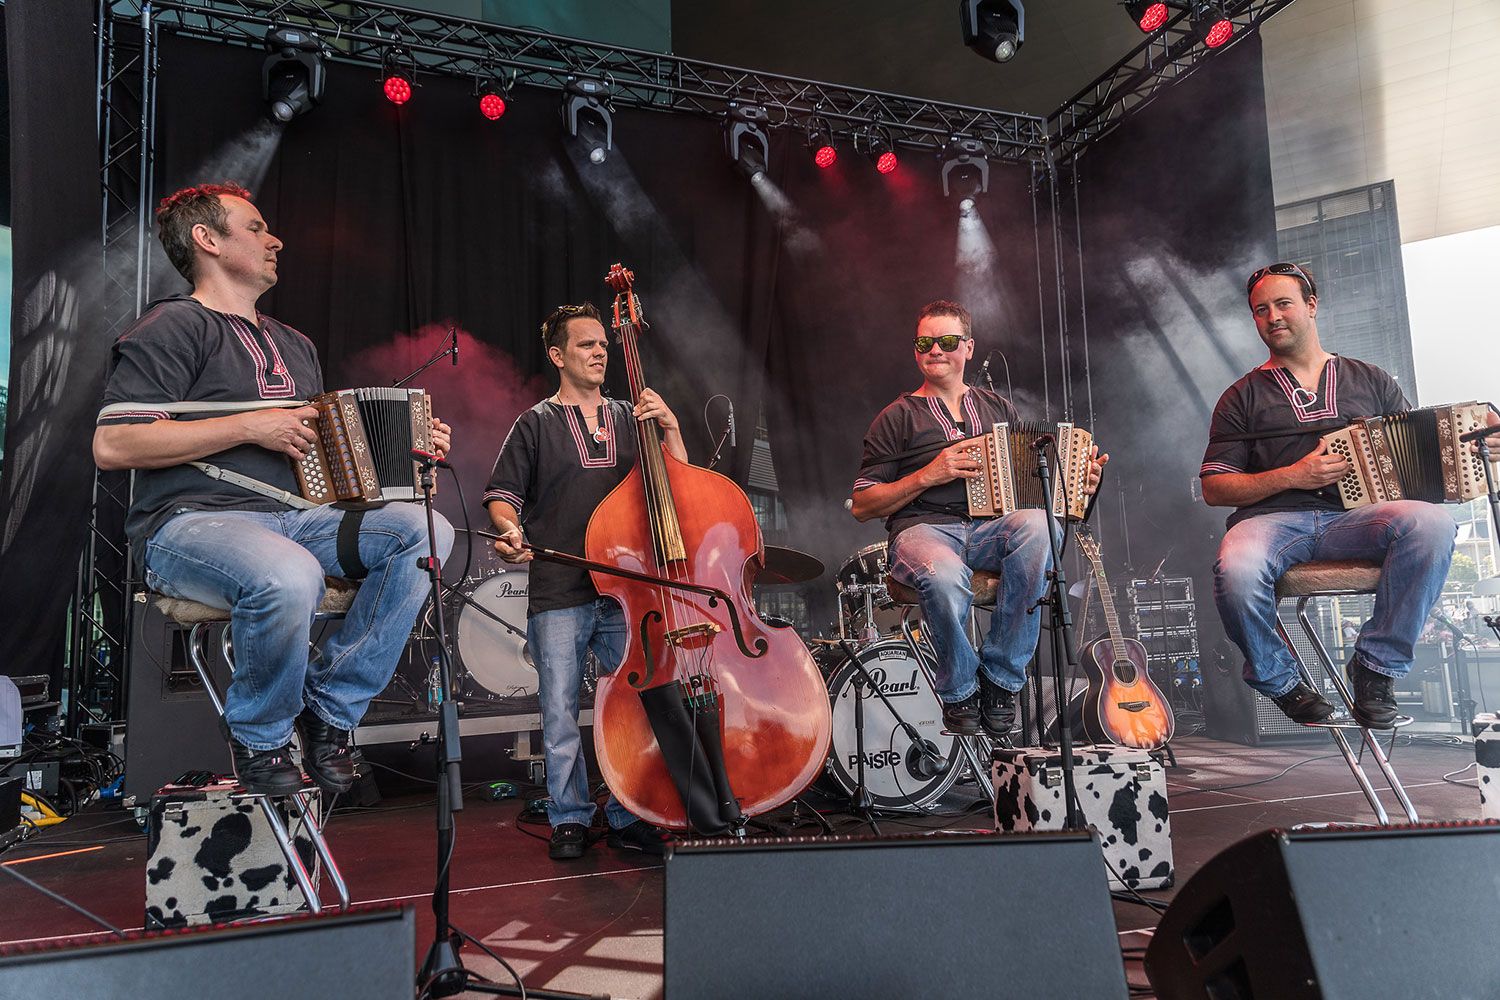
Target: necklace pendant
(600, 434)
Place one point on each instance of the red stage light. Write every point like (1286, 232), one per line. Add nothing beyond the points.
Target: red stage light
(1154, 17)
(1219, 33)
(397, 88)
(886, 163)
(492, 106)
(825, 156)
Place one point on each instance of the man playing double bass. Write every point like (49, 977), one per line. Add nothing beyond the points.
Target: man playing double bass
(560, 460)
(935, 546)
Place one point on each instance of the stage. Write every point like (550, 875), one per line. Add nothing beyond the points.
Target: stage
(596, 925)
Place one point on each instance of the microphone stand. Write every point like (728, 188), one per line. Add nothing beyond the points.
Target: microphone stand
(452, 349)
(1062, 631)
(1481, 439)
(443, 973)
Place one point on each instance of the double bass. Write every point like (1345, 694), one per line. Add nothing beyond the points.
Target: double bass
(713, 715)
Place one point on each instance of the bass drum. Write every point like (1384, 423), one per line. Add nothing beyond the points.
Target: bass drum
(895, 777)
(495, 658)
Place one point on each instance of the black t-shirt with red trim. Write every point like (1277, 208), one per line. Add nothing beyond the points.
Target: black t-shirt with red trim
(1270, 399)
(914, 421)
(182, 351)
(554, 473)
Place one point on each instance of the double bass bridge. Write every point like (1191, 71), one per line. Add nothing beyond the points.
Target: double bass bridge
(690, 636)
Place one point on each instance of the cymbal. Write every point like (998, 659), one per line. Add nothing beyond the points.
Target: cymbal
(784, 566)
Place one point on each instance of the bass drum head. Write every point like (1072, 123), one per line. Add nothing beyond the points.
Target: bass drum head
(894, 776)
(496, 658)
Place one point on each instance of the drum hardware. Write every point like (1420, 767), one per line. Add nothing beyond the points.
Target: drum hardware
(863, 594)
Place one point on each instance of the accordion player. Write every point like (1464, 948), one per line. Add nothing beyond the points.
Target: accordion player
(1416, 455)
(1008, 479)
(365, 439)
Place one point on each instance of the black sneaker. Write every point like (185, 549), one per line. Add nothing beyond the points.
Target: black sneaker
(569, 841)
(1304, 705)
(326, 753)
(640, 836)
(962, 717)
(1374, 696)
(265, 772)
(997, 707)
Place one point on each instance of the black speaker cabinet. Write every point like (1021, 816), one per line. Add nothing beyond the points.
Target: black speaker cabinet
(1353, 913)
(368, 953)
(898, 917)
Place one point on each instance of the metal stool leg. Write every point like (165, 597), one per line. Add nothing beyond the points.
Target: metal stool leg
(1338, 735)
(1371, 742)
(303, 799)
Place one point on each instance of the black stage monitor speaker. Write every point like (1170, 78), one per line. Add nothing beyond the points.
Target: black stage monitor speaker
(897, 917)
(1353, 913)
(369, 953)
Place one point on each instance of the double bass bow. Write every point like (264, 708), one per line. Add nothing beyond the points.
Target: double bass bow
(713, 715)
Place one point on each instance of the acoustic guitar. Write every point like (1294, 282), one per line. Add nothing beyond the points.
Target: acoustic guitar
(1122, 705)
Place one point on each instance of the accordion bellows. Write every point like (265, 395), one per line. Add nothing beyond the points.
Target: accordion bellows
(1008, 478)
(1411, 456)
(365, 438)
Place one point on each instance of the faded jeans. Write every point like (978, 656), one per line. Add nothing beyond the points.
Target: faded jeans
(1412, 538)
(268, 568)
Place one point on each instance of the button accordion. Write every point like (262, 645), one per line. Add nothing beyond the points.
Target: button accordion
(1008, 479)
(365, 438)
(1414, 455)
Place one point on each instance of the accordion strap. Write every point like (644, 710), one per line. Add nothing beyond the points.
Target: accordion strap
(253, 485)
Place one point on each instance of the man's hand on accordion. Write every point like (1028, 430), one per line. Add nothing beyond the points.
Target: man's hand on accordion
(442, 438)
(1317, 469)
(1097, 462)
(957, 461)
(286, 431)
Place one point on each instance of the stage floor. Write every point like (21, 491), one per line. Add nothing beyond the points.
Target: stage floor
(595, 925)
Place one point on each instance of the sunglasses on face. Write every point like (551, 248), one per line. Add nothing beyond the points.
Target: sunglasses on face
(1283, 268)
(949, 343)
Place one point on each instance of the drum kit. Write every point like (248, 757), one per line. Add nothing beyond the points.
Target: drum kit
(878, 672)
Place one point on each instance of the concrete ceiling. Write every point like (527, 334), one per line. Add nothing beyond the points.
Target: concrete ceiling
(1357, 91)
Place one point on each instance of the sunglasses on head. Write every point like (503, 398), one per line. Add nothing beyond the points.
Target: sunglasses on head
(949, 343)
(1283, 268)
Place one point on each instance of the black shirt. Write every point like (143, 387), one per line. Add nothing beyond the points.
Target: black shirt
(554, 473)
(914, 421)
(182, 351)
(1270, 399)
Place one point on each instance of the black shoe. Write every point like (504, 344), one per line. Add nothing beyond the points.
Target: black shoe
(1374, 696)
(569, 841)
(1303, 704)
(962, 717)
(997, 707)
(326, 753)
(265, 772)
(640, 836)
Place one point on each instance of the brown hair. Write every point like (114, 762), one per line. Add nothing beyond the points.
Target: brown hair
(942, 307)
(555, 326)
(180, 211)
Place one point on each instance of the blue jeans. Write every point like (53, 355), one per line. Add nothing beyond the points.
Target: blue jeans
(937, 561)
(268, 569)
(1413, 539)
(558, 641)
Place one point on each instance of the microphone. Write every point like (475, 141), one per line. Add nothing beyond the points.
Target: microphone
(1481, 433)
(849, 504)
(731, 423)
(429, 458)
(454, 331)
(984, 370)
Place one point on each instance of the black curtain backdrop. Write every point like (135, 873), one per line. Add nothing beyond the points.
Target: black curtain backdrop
(57, 366)
(1177, 211)
(400, 222)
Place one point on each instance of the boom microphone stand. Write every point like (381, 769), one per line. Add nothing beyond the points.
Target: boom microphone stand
(1062, 631)
(1481, 439)
(443, 973)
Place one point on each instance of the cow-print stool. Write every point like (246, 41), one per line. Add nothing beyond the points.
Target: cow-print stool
(985, 587)
(1344, 578)
(199, 619)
